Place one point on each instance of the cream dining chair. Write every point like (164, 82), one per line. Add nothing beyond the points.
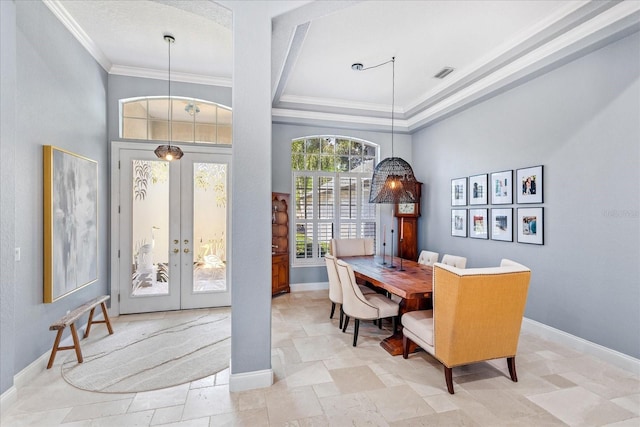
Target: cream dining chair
(454, 260)
(335, 287)
(428, 258)
(360, 306)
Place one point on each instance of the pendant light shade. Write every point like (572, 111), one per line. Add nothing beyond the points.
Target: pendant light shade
(393, 179)
(169, 152)
(393, 182)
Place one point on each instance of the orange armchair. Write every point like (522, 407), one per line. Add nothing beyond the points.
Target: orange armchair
(477, 314)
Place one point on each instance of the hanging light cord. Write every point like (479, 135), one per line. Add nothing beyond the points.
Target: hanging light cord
(393, 96)
(169, 41)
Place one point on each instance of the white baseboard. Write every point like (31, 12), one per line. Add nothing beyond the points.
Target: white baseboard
(250, 380)
(608, 355)
(301, 287)
(8, 398)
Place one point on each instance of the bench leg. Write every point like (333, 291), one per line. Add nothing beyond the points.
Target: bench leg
(76, 342)
(54, 350)
(89, 323)
(106, 317)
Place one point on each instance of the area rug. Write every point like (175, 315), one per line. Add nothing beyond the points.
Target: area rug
(152, 354)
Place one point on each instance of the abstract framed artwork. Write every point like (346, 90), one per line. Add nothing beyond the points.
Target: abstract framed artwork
(529, 184)
(459, 222)
(502, 224)
(501, 187)
(459, 192)
(70, 222)
(478, 189)
(478, 224)
(530, 225)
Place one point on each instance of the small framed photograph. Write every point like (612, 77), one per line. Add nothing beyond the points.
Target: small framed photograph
(502, 224)
(478, 224)
(501, 188)
(530, 225)
(529, 184)
(459, 222)
(478, 189)
(459, 192)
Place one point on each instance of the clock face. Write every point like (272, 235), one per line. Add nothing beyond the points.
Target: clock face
(406, 208)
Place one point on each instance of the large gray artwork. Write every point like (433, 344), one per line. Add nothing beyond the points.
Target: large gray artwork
(71, 222)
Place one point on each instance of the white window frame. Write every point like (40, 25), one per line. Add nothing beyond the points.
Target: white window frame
(317, 259)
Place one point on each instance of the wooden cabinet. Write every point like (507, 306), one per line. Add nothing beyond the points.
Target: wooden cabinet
(279, 243)
(408, 227)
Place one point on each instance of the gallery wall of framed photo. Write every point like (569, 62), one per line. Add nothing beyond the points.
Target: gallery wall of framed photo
(482, 206)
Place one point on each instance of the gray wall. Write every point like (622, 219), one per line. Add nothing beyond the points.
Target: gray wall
(581, 122)
(7, 192)
(59, 99)
(282, 135)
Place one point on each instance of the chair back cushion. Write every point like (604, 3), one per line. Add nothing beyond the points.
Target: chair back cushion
(478, 311)
(352, 247)
(428, 257)
(454, 260)
(335, 288)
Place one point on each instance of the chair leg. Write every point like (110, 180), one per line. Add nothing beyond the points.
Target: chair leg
(395, 324)
(405, 347)
(341, 317)
(448, 376)
(333, 309)
(511, 364)
(346, 322)
(355, 332)
(379, 323)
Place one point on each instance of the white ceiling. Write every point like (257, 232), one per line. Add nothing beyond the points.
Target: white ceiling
(491, 44)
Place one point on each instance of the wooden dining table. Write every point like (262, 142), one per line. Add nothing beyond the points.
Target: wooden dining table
(407, 279)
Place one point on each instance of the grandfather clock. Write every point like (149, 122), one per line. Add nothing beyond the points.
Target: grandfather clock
(407, 214)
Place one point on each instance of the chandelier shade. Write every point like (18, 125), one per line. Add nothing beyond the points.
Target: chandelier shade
(393, 182)
(168, 152)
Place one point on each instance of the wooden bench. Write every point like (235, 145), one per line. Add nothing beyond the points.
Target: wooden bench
(69, 320)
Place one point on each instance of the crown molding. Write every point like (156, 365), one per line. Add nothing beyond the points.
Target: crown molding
(149, 73)
(74, 28)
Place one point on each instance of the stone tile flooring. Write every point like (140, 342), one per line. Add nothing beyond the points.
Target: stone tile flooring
(321, 380)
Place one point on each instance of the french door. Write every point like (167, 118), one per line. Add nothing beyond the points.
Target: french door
(173, 229)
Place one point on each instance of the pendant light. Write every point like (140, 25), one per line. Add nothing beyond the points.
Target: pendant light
(393, 179)
(169, 152)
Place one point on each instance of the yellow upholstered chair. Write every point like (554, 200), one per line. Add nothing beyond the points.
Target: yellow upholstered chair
(428, 257)
(352, 247)
(477, 314)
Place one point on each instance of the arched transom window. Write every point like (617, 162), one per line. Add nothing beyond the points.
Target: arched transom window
(192, 120)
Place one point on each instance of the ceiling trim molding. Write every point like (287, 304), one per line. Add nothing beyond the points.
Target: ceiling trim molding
(149, 73)
(281, 115)
(589, 29)
(74, 28)
(295, 45)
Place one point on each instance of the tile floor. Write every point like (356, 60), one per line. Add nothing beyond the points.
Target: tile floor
(321, 380)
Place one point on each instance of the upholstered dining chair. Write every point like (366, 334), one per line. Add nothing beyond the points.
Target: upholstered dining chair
(335, 287)
(360, 306)
(476, 316)
(352, 247)
(454, 260)
(428, 257)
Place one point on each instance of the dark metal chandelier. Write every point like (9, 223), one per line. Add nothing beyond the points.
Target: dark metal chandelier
(167, 151)
(393, 179)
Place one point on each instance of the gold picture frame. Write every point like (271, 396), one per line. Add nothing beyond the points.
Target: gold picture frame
(70, 222)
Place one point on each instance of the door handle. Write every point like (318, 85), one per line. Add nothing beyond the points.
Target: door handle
(176, 250)
(186, 250)
(186, 241)
(176, 241)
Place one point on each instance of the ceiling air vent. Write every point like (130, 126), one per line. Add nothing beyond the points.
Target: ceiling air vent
(444, 72)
